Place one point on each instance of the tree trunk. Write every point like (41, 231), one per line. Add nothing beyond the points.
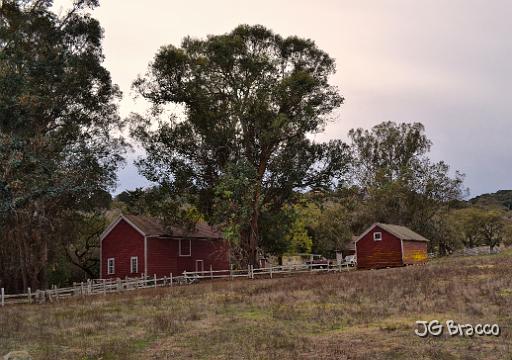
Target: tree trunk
(253, 238)
(253, 234)
(22, 263)
(249, 237)
(444, 249)
(43, 273)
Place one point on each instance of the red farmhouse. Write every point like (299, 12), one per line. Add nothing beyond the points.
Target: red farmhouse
(384, 245)
(134, 245)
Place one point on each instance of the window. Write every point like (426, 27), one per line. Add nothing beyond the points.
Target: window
(134, 264)
(377, 236)
(111, 266)
(185, 247)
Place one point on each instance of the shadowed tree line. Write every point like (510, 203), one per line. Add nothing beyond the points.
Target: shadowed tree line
(58, 151)
(241, 154)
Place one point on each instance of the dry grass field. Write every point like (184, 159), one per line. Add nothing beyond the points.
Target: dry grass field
(355, 315)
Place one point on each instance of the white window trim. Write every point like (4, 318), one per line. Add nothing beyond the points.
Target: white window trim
(189, 247)
(113, 266)
(136, 258)
(375, 237)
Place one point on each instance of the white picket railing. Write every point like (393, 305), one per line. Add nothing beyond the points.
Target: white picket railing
(478, 250)
(252, 272)
(107, 286)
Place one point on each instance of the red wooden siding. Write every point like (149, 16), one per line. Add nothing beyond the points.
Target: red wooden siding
(212, 252)
(415, 252)
(122, 243)
(378, 254)
(162, 256)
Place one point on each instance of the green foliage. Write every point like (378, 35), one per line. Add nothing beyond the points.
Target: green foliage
(444, 235)
(493, 227)
(333, 230)
(298, 238)
(157, 202)
(507, 234)
(481, 226)
(60, 272)
(303, 217)
(275, 227)
(233, 196)
(289, 229)
(133, 201)
(468, 222)
(388, 151)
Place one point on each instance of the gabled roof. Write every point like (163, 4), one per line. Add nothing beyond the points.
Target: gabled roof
(150, 226)
(401, 232)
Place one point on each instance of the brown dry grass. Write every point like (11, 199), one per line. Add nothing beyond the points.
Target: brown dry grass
(357, 315)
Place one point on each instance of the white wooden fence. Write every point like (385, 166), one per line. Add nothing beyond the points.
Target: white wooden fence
(478, 250)
(107, 286)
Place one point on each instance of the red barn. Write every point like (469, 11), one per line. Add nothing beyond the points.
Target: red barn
(134, 245)
(384, 245)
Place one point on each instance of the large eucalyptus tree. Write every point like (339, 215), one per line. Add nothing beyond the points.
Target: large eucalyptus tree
(251, 100)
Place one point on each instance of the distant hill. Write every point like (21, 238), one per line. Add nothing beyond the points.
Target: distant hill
(500, 199)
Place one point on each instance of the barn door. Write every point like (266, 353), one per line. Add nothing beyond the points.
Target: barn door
(199, 265)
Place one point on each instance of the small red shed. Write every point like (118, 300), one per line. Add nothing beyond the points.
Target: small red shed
(385, 245)
(133, 245)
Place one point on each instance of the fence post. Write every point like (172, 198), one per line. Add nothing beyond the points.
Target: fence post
(2, 296)
(231, 271)
(271, 271)
(171, 279)
(154, 280)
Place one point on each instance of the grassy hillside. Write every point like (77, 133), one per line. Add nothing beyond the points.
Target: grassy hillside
(356, 315)
(499, 199)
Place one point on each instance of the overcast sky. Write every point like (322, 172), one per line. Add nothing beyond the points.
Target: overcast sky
(444, 63)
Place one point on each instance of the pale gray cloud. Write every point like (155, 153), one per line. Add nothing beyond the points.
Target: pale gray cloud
(446, 63)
